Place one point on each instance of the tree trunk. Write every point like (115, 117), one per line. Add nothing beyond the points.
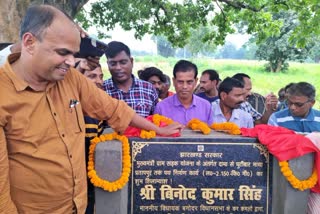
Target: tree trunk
(279, 65)
(11, 13)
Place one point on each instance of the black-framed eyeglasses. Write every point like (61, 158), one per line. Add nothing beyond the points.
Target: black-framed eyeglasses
(299, 105)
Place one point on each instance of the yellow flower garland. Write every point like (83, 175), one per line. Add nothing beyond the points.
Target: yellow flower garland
(196, 124)
(156, 119)
(126, 163)
(147, 134)
(294, 181)
(229, 127)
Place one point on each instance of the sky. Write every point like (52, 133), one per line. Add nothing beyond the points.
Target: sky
(146, 44)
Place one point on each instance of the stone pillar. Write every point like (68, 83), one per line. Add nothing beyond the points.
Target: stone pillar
(285, 199)
(108, 164)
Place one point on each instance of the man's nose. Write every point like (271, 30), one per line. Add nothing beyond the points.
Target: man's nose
(70, 60)
(99, 81)
(118, 66)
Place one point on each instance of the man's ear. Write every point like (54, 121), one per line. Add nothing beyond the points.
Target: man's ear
(28, 42)
(312, 103)
(223, 95)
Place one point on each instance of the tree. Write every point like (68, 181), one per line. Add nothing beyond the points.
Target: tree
(164, 47)
(315, 52)
(251, 48)
(11, 13)
(277, 50)
(197, 43)
(228, 51)
(174, 19)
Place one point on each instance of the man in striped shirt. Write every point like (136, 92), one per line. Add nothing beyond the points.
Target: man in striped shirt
(300, 117)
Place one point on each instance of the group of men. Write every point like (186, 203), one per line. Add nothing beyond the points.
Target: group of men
(46, 102)
(42, 128)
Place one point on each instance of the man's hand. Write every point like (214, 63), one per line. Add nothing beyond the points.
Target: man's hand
(271, 102)
(83, 33)
(170, 129)
(88, 64)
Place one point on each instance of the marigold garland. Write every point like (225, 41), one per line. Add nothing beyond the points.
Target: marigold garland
(196, 124)
(294, 181)
(126, 163)
(156, 119)
(229, 127)
(147, 134)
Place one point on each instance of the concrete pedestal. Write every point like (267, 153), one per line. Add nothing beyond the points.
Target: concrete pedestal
(285, 199)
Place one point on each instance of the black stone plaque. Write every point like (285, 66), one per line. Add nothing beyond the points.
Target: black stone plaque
(200, 176)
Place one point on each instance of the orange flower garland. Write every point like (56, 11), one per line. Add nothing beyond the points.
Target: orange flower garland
(126, 163)
(229, 127)
(147, 134)
(196, 124)
(294, 181)
(156, 119)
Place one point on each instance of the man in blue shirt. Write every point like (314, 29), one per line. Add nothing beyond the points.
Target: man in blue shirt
(208, 85)
(138, 94)
(299, 116)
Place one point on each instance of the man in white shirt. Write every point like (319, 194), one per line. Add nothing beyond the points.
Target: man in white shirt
(226, 108)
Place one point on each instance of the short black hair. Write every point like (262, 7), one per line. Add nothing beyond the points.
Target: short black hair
(228, 84)
(241, 76)
(115, 47)
(146, 73)
(168, 80)
(213, 74)
(185, 66)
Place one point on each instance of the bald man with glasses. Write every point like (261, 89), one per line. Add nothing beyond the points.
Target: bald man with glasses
(299, 116)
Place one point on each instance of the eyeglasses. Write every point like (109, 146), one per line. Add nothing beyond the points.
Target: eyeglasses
(299, 105)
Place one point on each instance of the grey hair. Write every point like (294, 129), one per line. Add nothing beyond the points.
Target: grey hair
(38, 18)
(302, 89)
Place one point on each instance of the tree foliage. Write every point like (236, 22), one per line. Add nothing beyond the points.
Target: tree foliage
(277, 50)
(164, 47)
(174, 19)
(197, 44)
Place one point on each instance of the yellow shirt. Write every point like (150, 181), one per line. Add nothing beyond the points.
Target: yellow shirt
(42, 162)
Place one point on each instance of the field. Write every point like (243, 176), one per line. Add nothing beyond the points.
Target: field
(262, 82)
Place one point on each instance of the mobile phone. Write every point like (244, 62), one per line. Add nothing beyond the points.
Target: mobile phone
(91, 47)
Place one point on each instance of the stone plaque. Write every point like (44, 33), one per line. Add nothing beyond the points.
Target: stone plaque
(199, 176)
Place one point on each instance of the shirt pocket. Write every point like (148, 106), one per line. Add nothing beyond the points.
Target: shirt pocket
(75, 119)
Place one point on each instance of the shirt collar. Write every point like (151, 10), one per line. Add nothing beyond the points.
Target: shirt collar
(176, 101)
(217, 111)
(19, 84)
(235, 114)
(309, 117)
(134, 83)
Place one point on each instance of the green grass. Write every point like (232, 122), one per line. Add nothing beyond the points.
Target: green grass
(262, 82)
